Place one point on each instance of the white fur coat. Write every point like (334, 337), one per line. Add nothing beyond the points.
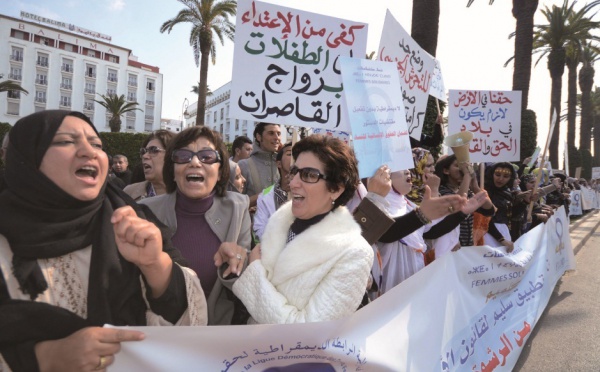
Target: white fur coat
(320, 275)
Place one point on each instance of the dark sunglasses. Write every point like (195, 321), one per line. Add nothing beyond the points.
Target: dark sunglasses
(183, 156)
(152, 150)
(308, 175)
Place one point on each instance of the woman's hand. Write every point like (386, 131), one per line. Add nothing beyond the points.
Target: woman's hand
(140, 242)
(255, 254)
(434, 208)
(510, 246)
(475, 202)
(433, 182)
(380, 183)
(232, 254)
(89, 349)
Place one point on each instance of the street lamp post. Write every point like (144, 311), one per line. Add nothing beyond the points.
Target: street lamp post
(184, 113)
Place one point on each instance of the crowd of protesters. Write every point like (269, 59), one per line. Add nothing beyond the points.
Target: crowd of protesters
(272, 233)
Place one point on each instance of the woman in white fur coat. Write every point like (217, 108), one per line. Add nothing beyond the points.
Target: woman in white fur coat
(313, 264)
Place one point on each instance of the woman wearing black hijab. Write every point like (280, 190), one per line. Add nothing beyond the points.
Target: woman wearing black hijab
(77, 253)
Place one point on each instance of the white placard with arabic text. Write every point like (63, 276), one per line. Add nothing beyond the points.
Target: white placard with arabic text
(494, 118)
(376, 112)
(437, 88)
(286, 65)
(415, 66)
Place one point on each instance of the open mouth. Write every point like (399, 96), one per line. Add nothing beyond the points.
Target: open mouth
(297, 197)
(87, 171)
(194, 178)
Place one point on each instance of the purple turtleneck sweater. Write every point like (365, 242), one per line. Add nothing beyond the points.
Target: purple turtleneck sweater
(195, 239)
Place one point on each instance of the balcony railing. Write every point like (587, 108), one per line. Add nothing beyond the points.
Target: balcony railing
(113, 79)
(149, 117)
(14, 94)
(131, 98)
(14, 77)
(65, 103)
(89, 91)
(88, 106)
(111, 92)
(40, 99)
(150, 103)
(41, 81)
(16, 57)
(9, 112)
(132, 83)
(150, 88)
(66, 86)
(90, 74)
(42, 63)
(67, 68)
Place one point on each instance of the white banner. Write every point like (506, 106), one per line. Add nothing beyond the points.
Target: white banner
(286, 65)
(473, 309)
(494, 118)
(416, 68)
(575, 208)
(595, 173)
(374, 100)
(437, 88)
(587, 198)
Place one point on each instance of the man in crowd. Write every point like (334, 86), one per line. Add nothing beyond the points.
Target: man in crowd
(260, 169)
(276, 195)
(241, 148)
(119, 167)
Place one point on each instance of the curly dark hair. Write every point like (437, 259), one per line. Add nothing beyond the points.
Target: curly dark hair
(186, 137)
(442, 165)
(341, 166)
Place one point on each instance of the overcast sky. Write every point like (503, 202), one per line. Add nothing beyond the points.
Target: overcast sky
(473, 42)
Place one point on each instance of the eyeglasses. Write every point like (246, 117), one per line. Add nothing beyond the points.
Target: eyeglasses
(183, 156)
(308, 175)
(152, 150)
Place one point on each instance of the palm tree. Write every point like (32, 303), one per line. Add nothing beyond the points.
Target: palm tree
(595, 103)
(10, 85)
(116, 106)
(564, 26)
(589, 55)
(573, 58)
(196, 90)
(209, 18)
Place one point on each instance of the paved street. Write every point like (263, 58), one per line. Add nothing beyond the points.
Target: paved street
(566, 337)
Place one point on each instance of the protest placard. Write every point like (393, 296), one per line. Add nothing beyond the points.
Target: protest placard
(286, 65)
(494, 118)
(437, 88)
(416, 68)
(595, 172)
(374, 101)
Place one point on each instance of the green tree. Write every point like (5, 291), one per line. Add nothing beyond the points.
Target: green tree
(9, 85)
(589, 55)
(196, 90)
(564, 26)
(116, 106)
(209, 19)
(595, 102)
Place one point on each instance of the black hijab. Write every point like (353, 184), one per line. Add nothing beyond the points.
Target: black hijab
(40, 220)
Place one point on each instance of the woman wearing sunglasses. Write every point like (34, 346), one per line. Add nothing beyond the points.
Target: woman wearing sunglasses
(211, 225)
(312, 264)
(153, 158)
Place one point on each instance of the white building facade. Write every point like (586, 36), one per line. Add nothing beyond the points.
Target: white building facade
(61, 68)
(217, 117)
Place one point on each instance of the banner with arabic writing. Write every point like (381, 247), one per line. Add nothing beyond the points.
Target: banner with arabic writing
(415, 66)
(286, 65)
(494, 118)
(470, 310)
(437, 88)
(373, 98)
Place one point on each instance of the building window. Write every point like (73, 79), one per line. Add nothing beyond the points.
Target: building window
(215, 117)
(12, 108)
(14, 94)
(112, 75)
(132, 80)
(237, 124)
(41, 79)
(90, 87)
(222, 113)
(15, 73)
(65, 101)
(66, 83)
(150, 85)
(68, 47)
(90, 71)
(111, 58)
(40, 96)
(42, 60)
(67, 65)
(16, 54)
(131, 97)
(19, 34)
(88, 105)
(111, 92)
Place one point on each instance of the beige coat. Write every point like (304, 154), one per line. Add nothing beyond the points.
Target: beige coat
(229, 219)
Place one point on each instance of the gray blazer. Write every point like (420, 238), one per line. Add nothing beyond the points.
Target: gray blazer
(229, 219)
